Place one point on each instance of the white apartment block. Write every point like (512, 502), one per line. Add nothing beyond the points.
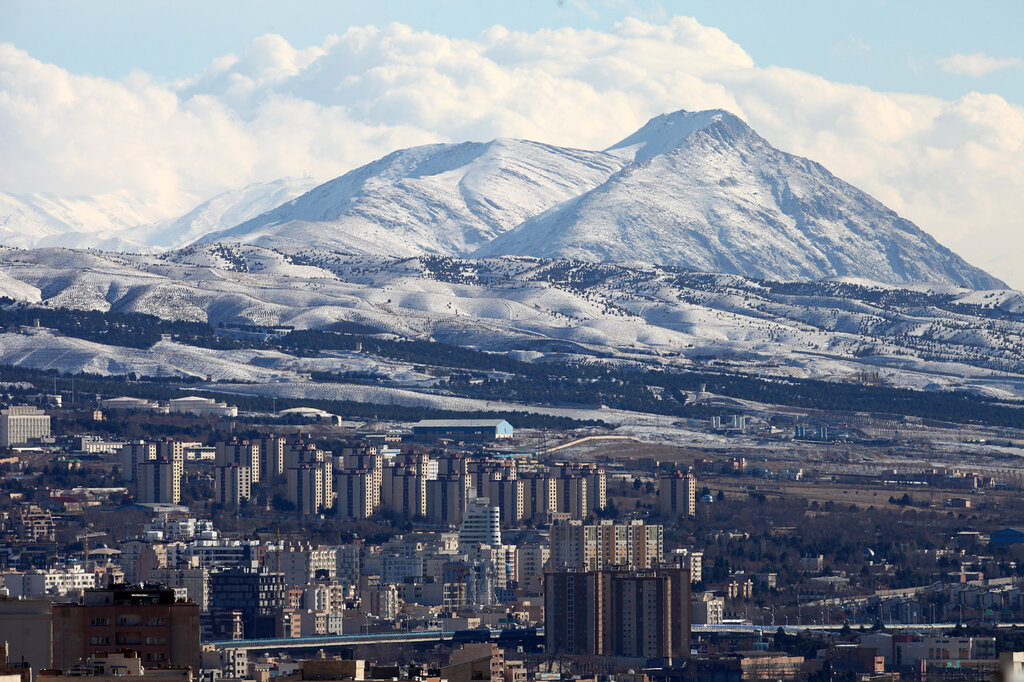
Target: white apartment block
(20, 424)
(303, 563)
(48, 583)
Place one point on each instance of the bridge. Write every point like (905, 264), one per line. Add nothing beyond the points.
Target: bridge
(529, 636)
(505, 637)
(831, 627)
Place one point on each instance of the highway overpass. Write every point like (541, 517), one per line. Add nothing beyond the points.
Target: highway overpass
(528, 637)
(505, 637)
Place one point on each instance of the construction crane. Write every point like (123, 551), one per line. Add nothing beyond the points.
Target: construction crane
(84, 537)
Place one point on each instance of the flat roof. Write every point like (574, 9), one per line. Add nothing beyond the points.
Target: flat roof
(471, 423)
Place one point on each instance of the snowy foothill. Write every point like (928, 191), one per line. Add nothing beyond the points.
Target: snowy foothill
(531, 309)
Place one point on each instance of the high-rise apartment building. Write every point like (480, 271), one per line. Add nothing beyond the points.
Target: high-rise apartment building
(650, 613)
(132, 455)
(573, 603)
(447, 498)
(624, 613)
(540, 496)
(575, 545)
(159, 480)
(301, 452)
(311, 487)
(358, 493)
(530, 563)
(509, 496)
(572, 495)
(232, 485)
(243, 453)
(272, 464)
(404, 491)
(677, 494)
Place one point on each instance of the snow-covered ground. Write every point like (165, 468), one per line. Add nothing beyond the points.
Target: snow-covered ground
(938, 339)
(705, 192)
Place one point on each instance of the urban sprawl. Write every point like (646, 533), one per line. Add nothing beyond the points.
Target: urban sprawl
(186, 541)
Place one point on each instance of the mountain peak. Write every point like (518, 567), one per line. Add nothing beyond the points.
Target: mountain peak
(668, 131)
(702, 190)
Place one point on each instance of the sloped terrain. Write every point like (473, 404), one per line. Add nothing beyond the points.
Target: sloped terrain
(697, 190)
(120, 222)
(436, 199)
(705, 192)
(933, 337)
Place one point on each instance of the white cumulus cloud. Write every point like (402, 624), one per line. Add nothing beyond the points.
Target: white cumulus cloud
(954, 167)
(977, 64)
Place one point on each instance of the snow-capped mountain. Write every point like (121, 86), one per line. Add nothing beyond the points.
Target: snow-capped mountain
(704, 191)
(29, 220)
(698, 190)
(436, 199)
(125, 222)
(221, 212)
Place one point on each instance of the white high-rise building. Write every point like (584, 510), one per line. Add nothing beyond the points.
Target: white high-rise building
(481, 525)
(20, 424)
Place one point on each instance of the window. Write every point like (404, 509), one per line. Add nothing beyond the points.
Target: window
(156, 640)
(99, 640)
(100, 621)
(156, 656)
(129, 620)
(156, 621)
(129, 638)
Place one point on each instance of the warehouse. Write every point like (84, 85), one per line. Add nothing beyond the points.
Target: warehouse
(477, 429)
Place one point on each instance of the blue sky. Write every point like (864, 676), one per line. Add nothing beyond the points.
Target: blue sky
(888, 45)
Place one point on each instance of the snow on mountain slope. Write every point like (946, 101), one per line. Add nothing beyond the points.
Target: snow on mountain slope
(699, 190)
(221, 212)
(664, 133)
(704, 191)
(440, 199)
(122, 222)
(28, 220)
(915, 336)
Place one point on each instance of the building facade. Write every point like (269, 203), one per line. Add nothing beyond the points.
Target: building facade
(642, 614)
(22, 424)
(677, 494)
(164, 632)
(232, 485)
